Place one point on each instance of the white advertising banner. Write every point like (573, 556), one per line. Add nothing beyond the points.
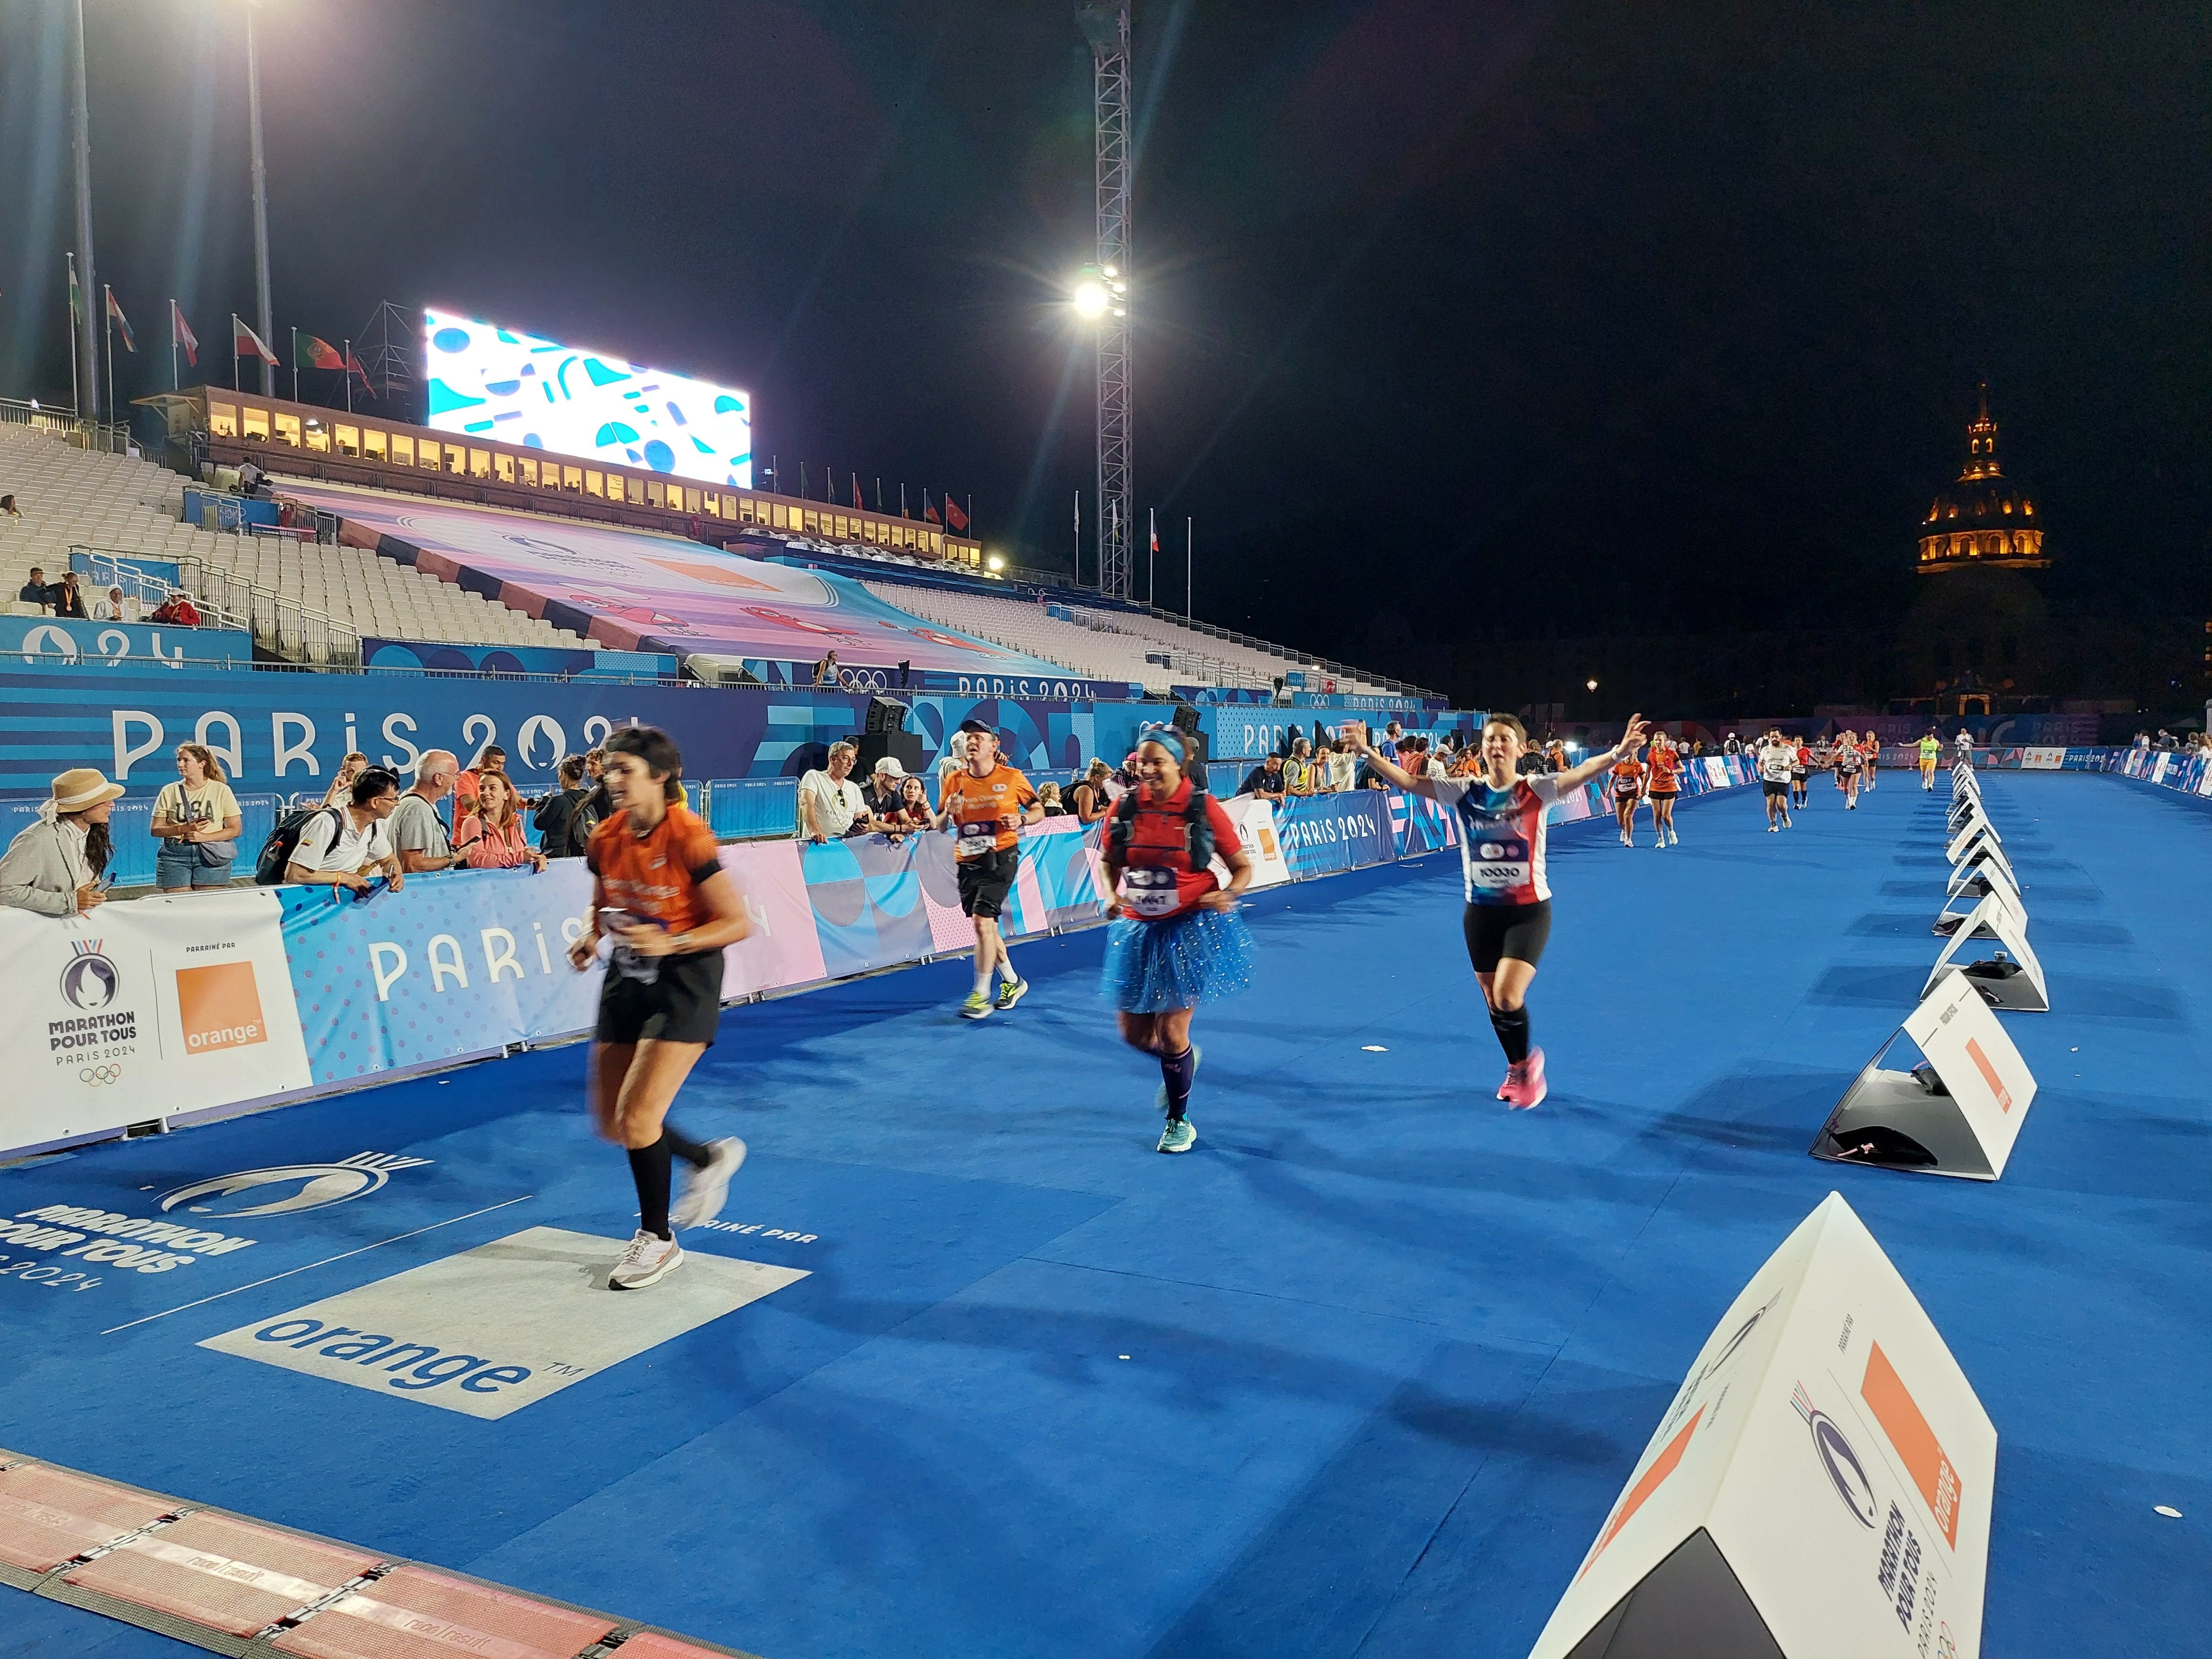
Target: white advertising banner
(2042, 760)
(1255, 827)
(1958, 1116)
(1822, 1480)
(144, 1009)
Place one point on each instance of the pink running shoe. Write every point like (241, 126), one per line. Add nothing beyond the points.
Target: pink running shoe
(1524, 1083)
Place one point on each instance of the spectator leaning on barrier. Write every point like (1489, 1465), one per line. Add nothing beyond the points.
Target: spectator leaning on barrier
(913, 810)
(490, 838)
(1087, 797)
(1297, 770)
(1265, 780)
(1049, 798)
(341, 789)
(564, 829)
(53, 865)
(830, 802)
(338, 844)
(883, 793)
(418, 834)
(196, 820)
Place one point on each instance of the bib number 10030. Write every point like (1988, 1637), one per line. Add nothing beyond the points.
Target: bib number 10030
(1500, 862)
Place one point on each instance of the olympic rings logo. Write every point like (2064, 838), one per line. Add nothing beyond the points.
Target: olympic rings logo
(99, 1076)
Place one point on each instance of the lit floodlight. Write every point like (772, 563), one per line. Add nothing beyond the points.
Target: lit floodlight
(1589, 685)
(995, 563)
(1090, 298)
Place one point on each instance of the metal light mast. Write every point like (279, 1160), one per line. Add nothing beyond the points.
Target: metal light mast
(1105, 24)
(87, 391)
(267, 322)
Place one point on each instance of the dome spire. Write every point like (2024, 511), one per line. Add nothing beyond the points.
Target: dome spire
(1981, 441)
(1984, 519)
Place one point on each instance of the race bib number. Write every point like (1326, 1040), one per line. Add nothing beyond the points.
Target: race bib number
(1500, 863)
(977, 839)
(1148, 892)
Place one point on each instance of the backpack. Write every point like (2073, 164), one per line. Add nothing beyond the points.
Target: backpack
(583, 819)
(284, 840)
(1197, 828)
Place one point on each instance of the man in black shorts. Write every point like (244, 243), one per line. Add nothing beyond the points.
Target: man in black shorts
(985, 804)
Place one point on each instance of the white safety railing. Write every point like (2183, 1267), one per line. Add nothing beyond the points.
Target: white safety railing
(111, 438)
(291, 630)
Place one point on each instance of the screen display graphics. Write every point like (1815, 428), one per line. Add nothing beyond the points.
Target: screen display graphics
(493, 382)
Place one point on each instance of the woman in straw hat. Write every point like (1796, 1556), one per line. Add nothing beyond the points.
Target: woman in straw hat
(53, 866)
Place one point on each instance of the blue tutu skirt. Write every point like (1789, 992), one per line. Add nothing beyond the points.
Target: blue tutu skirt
(1155, 967)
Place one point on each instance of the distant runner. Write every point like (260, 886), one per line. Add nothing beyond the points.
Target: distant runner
(1777, 756)
(1627, 789)
(1665, 764)
(985, 804)
(1931, 751)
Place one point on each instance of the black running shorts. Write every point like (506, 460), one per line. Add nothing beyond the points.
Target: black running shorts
(683, 1005)
(1776, 786)
(984, 881)
(1496, 931)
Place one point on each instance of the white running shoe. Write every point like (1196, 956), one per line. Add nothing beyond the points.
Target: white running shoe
(1673, 838)
(646, 1261)
(705, 1189)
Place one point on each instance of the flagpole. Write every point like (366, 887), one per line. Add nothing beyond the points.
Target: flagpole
(1185, 570)
(348, 372)
(234, 385)
(77, 390)
(107, 341)
(88, 343)
(1078, 538)
(295, 362)
(176, 380)
(1152, 550)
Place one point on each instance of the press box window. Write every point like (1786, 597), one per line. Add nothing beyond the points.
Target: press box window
(222, 420)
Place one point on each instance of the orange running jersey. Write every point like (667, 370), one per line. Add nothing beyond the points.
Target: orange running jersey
(976, 806)
(1627, 775)
(658, 876)
(1665, 763)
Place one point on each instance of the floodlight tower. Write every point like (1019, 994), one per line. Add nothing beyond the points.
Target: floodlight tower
(1105, 25)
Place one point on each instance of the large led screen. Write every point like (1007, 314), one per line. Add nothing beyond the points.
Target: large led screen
(492, 382)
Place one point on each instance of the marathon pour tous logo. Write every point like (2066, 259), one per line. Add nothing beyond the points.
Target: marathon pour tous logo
(313, 1186)
(1845, 1473)
(96, 1029)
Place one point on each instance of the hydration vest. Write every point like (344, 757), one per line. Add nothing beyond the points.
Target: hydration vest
(1197, 827)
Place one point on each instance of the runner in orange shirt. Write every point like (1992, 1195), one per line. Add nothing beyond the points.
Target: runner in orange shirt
(1627, 789)
(985, 804)
(659, 892)
(1665, 763)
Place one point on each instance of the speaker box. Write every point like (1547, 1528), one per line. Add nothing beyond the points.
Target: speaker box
(904, 747)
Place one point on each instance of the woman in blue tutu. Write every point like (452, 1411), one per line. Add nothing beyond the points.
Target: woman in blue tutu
(1176, 939)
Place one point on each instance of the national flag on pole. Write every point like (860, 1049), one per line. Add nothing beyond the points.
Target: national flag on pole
(122, 323)
(859, 506)
(245, 342)
(308, 352)
(77, 294)
(181, 332)
(928, 512)
(1152, 517)
(353, 367)
(953, 516)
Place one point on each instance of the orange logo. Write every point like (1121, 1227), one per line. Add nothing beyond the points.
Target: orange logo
(1924, 1457)
(1648, 1482)
(220, 1007)
(1989, 1075)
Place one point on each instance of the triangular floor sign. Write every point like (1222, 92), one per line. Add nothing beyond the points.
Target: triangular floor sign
(1820, 1486)
(1956, 1114)
(2013, 981)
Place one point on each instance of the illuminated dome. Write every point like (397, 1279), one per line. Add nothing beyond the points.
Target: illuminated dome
(1985, 519)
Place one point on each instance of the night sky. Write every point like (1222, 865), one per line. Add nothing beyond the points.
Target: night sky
(1456, 319)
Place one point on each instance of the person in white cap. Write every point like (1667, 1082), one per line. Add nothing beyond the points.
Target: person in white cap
(883, 786)
(53, 865)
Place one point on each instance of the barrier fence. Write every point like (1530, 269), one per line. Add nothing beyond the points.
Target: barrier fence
(203, 1003)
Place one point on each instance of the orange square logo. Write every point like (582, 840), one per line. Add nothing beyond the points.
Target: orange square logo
(220, 1007)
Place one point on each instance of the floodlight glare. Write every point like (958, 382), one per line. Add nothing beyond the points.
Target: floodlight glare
(995, 563)
(1589, 685)
(1090, 299)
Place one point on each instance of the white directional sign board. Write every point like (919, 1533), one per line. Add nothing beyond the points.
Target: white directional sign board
(2000, 888)
(1976, 827)
(1959, 1117)
(1820, 1489)
(1981, 859)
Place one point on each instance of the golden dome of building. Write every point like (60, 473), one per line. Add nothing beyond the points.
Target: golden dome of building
(1984, 520)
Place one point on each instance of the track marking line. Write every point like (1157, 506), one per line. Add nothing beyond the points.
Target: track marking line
(309, 1267)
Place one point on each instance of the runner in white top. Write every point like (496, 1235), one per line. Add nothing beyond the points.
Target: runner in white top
(1500, 818)
(1777, 758)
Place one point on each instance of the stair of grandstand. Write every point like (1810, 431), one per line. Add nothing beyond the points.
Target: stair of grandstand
(128, 508)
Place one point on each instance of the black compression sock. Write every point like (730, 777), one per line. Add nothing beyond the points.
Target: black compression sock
(682, 1146)
(649, 1168)
(1511, 1025)
(1177, 1071)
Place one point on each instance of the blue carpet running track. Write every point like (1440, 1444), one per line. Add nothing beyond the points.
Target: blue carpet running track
(1362, 1375)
